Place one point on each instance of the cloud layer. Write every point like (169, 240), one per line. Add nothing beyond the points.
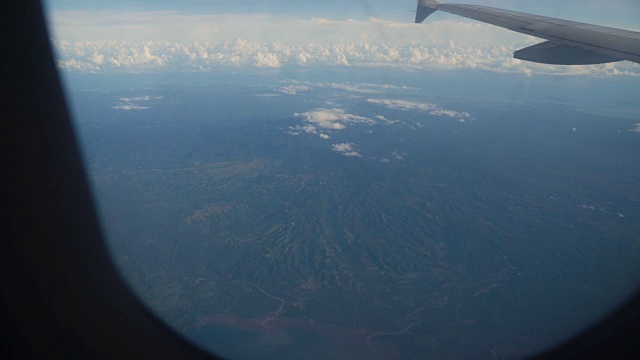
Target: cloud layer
(103, 41)
(113, 56)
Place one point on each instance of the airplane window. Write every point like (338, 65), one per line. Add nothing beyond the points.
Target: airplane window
(332, 179)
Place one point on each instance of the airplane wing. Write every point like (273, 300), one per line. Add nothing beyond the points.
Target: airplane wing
(568, 42)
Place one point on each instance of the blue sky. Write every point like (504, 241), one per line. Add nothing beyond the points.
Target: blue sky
(121, 20)
(606, 12)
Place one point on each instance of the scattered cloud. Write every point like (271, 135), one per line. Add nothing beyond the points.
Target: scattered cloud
(385, 120)
(136, 98)
(403, 104)
(293, 89)
(450, 113)
(431, 109)
(398, 155)
(331, 119)
(132, 103)
(324, 136)
(346, 149)
(352, 88)
(130, 107)
(362, 88)
(635, 128)
(309, 129)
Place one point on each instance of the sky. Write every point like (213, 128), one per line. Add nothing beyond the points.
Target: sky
(622, 13)
(96, 36)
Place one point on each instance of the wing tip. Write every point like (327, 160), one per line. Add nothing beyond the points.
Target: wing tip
(422, 12)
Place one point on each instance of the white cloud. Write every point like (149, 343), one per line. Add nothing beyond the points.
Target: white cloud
(293, 89)
(450, 113)
(343, 147)
(324, 136)
(130, 107)
(432, 109)
(346, 149)
(267, 60)
(635, 128)
(136, 98)
(363, 88)
(352, 88)
(132, 103)
(331, 119)
(97, 58)
(385, 120)
(309, 129)
(398, 155)
(403, 104)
